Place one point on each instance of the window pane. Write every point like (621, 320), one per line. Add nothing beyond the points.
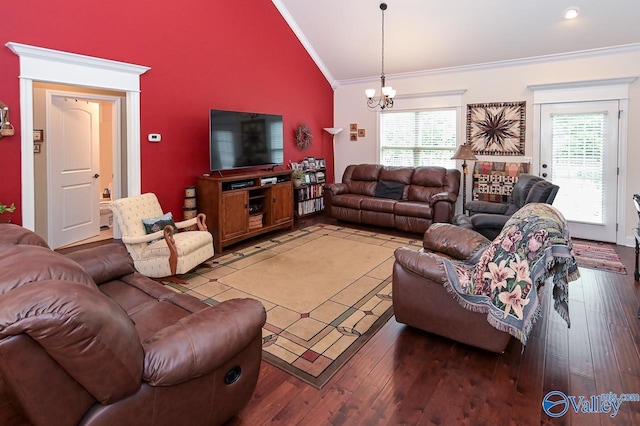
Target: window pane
(418, 138)
(577, 163)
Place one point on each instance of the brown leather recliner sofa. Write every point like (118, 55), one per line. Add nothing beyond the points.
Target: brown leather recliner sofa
(85, 339)
(406, 198)
(421, 300)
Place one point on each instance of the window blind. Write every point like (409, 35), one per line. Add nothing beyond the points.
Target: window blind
(578, 142)
(418, 138)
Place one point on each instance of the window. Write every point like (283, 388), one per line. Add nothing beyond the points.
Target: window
(418, 138)
(577, 149)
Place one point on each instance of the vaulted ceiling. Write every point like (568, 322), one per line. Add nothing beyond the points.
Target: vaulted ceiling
(344, 36)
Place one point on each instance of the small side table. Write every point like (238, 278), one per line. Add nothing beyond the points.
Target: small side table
(636, 273)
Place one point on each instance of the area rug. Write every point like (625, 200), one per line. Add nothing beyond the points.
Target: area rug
(326, 289)
(598, 256)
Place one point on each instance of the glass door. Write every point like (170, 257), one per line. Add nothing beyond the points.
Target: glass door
(579, 153)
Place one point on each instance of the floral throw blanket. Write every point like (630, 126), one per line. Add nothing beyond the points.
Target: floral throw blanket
(503, 280)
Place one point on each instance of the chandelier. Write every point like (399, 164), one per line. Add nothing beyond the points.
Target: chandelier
(386, 97)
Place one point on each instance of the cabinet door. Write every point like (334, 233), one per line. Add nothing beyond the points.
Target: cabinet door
(235, 214)
(282, 203)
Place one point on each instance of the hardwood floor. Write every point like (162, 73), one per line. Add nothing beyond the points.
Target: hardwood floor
(405, 376)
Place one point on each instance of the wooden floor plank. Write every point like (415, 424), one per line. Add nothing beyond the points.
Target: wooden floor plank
(366, 358)
(528, 391)
(412, 407)
(579, 347)
(605, 366)
(407, 356)
(609, 298)
(582, 386)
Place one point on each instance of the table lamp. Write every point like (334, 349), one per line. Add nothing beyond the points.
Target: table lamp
(464, 153)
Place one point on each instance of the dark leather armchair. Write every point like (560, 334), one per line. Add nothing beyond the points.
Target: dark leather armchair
(85, 339)
(489, 218)
(421, 300)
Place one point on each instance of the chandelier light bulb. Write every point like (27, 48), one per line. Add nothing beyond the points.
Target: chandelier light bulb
(370, 93)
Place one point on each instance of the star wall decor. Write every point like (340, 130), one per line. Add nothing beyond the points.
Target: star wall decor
(496, 128)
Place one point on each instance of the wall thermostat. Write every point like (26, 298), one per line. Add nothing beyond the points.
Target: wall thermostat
(154, 137)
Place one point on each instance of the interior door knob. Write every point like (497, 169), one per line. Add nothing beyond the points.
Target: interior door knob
(544, 175)
(96, 176)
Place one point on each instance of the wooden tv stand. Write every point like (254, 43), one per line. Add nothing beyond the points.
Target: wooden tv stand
(245, 205)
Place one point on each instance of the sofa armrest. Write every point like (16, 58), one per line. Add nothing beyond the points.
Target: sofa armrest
(492, 221)
(104, 263)
(427, 265)
(443, 196)
(201, 342)
(337, 188)
(476, 207)
(452, 240)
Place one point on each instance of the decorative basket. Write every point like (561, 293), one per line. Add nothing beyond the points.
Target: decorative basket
(255, 221)
(7, 129)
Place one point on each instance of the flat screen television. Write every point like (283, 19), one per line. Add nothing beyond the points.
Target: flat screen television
(244, 139)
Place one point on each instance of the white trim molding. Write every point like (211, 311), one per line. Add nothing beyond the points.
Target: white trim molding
(305, 42)
(53, 66)
(582, 91)
(633, 47)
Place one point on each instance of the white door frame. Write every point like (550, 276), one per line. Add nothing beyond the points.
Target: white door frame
(53, 66)
(582, 91)
(116, 140)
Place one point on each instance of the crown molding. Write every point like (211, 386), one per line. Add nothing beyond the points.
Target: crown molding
(57, 56)
(499, 64)
(583, 84)
(305, 42)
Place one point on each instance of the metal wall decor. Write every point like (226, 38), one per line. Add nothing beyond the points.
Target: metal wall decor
(496, 128)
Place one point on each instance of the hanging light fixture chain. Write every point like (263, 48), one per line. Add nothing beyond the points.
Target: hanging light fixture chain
(383, 7)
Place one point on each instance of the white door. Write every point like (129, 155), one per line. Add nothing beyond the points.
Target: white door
(579, 153)
(73, 164)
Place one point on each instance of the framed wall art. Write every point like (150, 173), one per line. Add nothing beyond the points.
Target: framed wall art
(496, 128)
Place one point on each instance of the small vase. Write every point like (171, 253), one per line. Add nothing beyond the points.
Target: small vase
(297, 183)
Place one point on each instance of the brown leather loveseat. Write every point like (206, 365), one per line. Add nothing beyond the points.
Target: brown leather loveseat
(85, 339)
(406, 198)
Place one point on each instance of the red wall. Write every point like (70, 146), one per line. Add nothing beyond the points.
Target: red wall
(238, 55)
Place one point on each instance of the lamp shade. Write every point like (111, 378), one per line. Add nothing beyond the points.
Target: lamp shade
(333, 130)
(464, 152)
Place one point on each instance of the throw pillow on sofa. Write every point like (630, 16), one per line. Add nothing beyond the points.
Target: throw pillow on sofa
(389, 189)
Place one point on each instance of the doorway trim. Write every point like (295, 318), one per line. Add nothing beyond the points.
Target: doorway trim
(54, 66)
(583, 91)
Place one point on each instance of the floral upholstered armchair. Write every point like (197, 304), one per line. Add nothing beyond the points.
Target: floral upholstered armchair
(153, 241)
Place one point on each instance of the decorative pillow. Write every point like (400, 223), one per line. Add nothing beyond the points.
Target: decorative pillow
(389, 189)
(156, 224)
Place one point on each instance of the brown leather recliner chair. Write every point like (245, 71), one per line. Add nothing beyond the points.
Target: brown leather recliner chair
(421, 300)
(85, 339)
(489, 218)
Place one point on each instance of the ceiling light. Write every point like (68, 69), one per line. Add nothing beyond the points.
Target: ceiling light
(571, 13)
(387, 95)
